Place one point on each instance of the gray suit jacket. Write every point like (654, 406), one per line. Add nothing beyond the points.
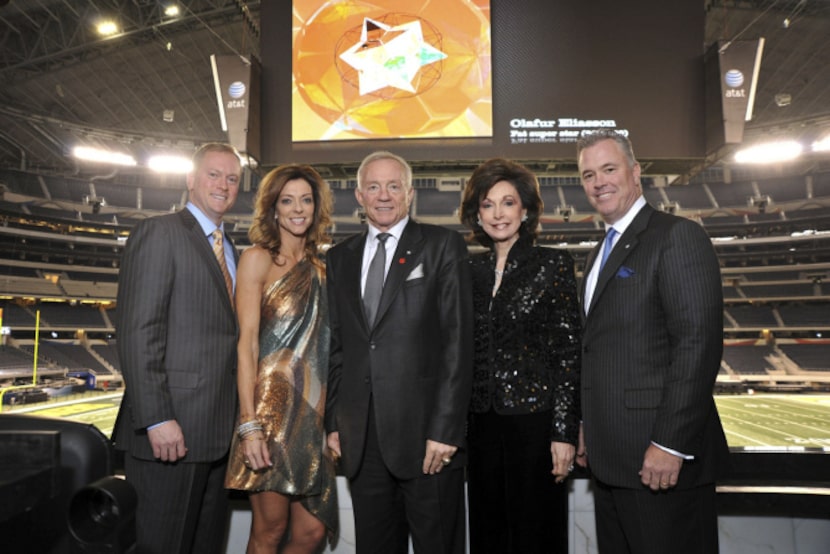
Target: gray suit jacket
(177, 338)
(651, 349)
(415, 364)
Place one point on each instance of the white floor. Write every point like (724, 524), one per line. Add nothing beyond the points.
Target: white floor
(738, 535)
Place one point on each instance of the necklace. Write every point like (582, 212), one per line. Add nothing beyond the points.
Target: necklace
(497, 282)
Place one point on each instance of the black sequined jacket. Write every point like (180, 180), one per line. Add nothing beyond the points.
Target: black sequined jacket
(527, 336)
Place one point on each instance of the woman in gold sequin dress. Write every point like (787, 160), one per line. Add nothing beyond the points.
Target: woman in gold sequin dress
(278, 454)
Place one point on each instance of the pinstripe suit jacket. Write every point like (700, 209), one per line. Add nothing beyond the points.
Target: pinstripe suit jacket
(651, 349)
(177, 338)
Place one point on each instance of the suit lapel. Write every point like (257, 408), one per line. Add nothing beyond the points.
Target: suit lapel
(406, 258)
(352, 265)
(589, 265)
(625, 245)
(202, 247)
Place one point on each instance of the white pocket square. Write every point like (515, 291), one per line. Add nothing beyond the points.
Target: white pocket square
(416, 273)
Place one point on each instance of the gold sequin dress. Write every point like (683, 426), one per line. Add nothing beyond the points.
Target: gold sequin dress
(290, 395)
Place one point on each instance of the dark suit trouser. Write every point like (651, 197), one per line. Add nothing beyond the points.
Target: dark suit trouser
(515, 504)
(182, 508)
(387, 509)
(631, 521)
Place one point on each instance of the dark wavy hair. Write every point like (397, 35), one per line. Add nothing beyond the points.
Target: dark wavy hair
(482, 180)
(264, 230)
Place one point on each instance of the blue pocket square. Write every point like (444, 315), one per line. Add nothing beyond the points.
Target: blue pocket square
(624, 272)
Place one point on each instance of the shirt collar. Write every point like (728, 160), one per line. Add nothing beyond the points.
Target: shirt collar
(396, 230)
(623, 223)
(205, 223)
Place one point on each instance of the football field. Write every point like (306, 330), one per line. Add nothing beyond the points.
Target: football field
(97, 408)
(777, 422)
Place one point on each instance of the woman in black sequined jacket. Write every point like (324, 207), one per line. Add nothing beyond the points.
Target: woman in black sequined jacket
(524, 413)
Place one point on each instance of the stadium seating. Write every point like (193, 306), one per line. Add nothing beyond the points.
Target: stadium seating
(805, 315)
(811, 357)
(73, 357)
(109, 352)
(748, 360)
(66, 315)
(436, 202)
(753, 316)
(13, 358)
(770, 286)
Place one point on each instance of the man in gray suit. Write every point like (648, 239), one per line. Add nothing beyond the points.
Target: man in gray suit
(400, 373)
(651, 349)
(177, 346)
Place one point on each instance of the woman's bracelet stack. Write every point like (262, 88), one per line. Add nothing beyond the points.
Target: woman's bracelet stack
(248, 428)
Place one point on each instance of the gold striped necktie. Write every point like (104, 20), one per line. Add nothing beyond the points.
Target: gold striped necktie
(219, 251)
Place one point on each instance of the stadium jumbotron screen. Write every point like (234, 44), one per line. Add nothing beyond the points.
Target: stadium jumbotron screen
(472, 79)
(377, 73)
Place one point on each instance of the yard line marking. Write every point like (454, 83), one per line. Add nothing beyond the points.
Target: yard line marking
(745, 437)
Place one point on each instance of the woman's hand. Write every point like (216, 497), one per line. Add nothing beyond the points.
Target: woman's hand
(255, 450)
(563, 459)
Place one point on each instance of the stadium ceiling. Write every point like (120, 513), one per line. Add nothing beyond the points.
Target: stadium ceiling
(150, 86)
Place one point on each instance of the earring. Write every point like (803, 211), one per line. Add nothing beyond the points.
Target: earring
(478, 221)
(276, 217)
(524, 218)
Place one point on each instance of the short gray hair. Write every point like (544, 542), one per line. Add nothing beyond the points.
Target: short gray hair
(590, 139)
(384, 155)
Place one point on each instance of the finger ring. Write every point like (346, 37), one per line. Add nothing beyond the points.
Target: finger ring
(247, 462)
(570, 468)
(446, 461)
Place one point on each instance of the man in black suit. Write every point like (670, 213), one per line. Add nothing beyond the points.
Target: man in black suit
(400, 372)
(651, 349)
(177, 344)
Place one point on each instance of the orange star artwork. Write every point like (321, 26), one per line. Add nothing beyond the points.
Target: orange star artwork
(391, 69)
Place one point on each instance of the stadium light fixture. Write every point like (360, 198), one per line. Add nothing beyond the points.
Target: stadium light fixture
(107, 27)
(822, 145)
(769, 152)
(172, 10)
(170, 164)
(103, 156)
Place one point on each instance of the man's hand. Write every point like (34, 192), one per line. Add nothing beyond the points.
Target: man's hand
(167, 441)
(660, 469)
(581, 451)
(437, 456)
(333, 442)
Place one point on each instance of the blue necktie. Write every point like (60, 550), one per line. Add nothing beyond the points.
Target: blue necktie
(609, 244)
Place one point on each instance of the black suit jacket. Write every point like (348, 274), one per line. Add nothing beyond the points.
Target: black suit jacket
(177, 338)
(651, 349)
(415, 363)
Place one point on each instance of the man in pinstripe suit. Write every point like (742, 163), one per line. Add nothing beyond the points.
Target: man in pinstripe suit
(652, 345)
(177, 346)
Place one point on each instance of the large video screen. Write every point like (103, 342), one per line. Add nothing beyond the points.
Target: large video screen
(472, 79)
(372, 72)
